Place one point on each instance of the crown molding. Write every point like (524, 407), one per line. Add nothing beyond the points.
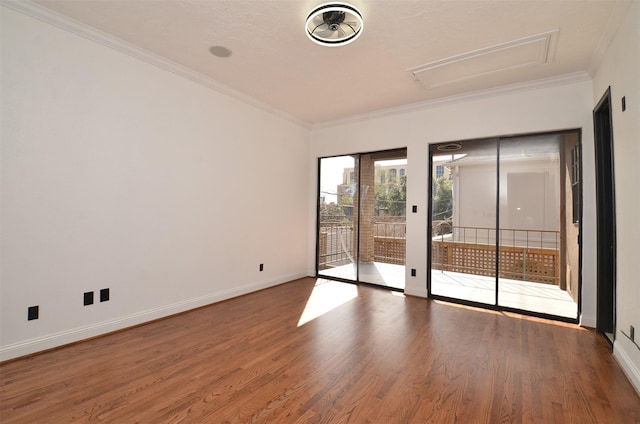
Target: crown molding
(461, 98)
(71, 25)
(85, 31)
(620, 10)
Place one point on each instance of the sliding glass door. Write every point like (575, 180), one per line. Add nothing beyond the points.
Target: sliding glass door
(503, 224)
(337, 222)
(463, 221)
(361, 218)
(533, 242)
(383, 182)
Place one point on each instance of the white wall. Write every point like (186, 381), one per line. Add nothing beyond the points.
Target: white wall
(545, 108)
(118, 174)
(620, 69)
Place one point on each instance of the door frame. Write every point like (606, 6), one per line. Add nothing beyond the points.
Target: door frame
(496, 306)
(605, 218)
(378, 154)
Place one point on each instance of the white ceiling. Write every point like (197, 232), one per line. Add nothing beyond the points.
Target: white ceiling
(275, 63)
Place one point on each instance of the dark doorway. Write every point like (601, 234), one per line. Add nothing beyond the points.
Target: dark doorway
(606, 217)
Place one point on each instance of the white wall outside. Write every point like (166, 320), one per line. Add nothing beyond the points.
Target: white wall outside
(474, 196)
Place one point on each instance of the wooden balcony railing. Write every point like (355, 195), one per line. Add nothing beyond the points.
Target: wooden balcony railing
(526, 255)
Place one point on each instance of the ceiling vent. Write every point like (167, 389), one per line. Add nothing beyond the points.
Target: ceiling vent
(334, 24)
(524, 52)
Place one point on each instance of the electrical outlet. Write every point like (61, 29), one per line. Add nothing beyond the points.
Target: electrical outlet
(413, 272)
(414, 208)
(261, 267)
(33, 312)
(88, 298)
(624, 103)
(632, 332)
(104, 295)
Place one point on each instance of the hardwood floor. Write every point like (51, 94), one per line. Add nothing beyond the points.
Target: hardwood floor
(376, 358)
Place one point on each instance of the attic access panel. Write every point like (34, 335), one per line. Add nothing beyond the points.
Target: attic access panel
(524, 52)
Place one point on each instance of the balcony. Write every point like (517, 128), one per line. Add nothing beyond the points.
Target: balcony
(523, 255)
(337, 241)
(526, 255)
(337, 253)
(463, 263)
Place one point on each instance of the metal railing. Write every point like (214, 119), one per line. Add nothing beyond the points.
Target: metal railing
(528, 255)
(337, 242)
(513, 237)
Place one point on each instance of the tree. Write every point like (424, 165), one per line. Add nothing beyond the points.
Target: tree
(346, 200)
(331, 212)
(391, 196)
(397, 193)
(382, 197)
(442, 199)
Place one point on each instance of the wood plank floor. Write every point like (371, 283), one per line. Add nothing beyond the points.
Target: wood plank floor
(377, 357)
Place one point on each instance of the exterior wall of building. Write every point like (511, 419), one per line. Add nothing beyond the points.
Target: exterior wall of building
(367, 208)
(569, 228)
(474, 197)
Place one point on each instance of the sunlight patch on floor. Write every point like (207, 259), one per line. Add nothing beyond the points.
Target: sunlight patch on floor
(326, 296)
(381, 274)
(525, 295)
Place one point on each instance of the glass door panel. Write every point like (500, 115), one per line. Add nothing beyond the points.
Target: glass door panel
(463, 218)
(337, 220)
(505, 222)
(532, 227)
(382, 212)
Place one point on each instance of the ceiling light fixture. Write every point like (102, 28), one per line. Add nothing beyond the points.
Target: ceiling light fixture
(451, 147)
(334, 24)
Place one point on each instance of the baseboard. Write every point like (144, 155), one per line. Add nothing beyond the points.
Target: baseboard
(62, 338)
(587, 321)
(630, 369)
(417, 292)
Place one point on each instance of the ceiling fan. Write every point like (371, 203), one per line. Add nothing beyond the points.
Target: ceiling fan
(334, 24)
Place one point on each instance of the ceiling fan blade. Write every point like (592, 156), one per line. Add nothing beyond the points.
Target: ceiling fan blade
(351, 29)
(319, 28)
(326, 33)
